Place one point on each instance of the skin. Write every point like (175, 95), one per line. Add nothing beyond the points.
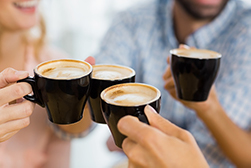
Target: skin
(160, 144)
(13, 116)
(202, 9)
(185, 23)
(15, 19)
(14, 23)
(145, 145)
(235, 143)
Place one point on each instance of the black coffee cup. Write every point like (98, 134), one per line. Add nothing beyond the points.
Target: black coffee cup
(104, 76)
(120, 100)
(62, 87)
(194, 72)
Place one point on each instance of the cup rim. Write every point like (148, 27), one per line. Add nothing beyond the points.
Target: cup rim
(114, 65)
(158, 96)
(64, 59)
(174, 52)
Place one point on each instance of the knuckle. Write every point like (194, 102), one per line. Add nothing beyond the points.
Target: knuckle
(186, 135)
(8, 70)
(131, 156)
(19, 90)
(25, 122)
(28, 108)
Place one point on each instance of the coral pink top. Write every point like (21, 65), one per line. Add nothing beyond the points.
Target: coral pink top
(36, 146)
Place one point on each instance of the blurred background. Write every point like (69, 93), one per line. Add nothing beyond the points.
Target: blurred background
(77, 26)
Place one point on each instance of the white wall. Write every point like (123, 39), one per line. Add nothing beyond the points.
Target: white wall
(78, 25)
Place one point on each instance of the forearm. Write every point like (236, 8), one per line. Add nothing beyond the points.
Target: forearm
(234, 142)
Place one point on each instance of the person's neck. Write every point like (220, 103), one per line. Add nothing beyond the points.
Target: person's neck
(184, 24)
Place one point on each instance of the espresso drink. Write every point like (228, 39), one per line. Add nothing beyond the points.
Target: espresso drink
(104, 76)
(111, 72)
(128, 95)
(67, 69)
(194, 72)
(62, 87)
(127, 99)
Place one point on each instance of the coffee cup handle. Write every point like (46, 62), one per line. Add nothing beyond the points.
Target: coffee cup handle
(33, 98)
(142, 117)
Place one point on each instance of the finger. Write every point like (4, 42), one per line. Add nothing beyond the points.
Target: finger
(168, 60)
(134, 152)
(90, 60)
(7, 136)
(12, 126)
(168, 73)
(10, 75)
(184, 46)
(128, 146)
(132, 127)
(16, 111)
(162, 124)
(137, 131)
(13, 92)
(169, 84)
(173, 93)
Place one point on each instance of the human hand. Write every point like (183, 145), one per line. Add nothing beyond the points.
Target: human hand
(13, 116)
(199, 107)
(162, 144)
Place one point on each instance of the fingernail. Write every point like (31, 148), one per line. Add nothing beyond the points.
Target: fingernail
(21, 74)
(184, 46)
(148, 107)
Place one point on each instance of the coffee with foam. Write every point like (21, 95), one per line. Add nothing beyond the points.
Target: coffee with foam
(111, 72)
(196, 53)
(64, 69)
(130, 94)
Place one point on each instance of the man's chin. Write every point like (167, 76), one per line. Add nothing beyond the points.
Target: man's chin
(202, 11)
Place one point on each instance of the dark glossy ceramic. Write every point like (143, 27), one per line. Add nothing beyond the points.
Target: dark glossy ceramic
(64, 99)
(194, 77)
(113, 113)
(98, 85)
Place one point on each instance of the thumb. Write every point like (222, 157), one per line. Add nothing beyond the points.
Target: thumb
(161, 123)
(90, 60)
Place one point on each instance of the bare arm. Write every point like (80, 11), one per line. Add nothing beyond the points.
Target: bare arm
(233, 141)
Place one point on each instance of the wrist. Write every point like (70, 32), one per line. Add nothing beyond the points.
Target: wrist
(210, 111)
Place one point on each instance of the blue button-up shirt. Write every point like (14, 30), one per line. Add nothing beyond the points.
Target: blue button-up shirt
(142, 38)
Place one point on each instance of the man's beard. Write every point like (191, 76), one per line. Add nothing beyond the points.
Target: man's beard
(200, 12)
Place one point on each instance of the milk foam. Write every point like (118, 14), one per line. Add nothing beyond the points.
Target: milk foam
(108, 75)
(64, 73)
(130, 94)
(131, 99)
(196, 53)
(64, 69)
(111, 72)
